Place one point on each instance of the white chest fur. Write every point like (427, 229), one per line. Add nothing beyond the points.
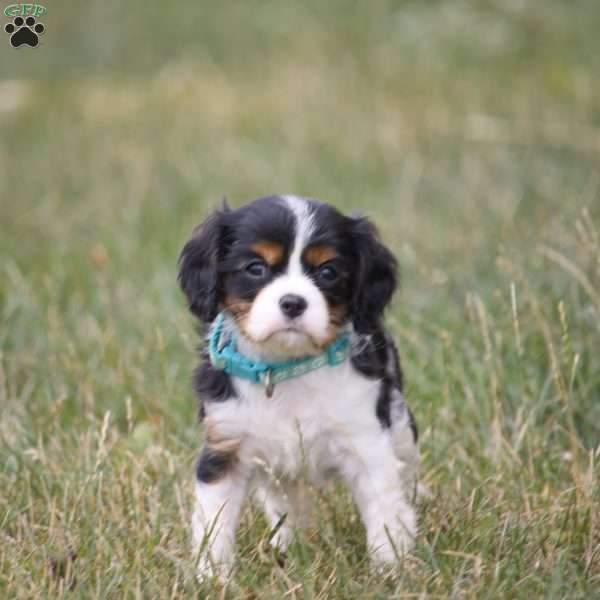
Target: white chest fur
(306, 427)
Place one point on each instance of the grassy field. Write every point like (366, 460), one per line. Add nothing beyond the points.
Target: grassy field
(469, 131)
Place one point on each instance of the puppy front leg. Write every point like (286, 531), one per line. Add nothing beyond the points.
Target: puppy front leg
(220, 491)
(382, 500)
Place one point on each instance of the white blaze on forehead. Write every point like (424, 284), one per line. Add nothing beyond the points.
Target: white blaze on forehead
(266, 318)
(304, 229)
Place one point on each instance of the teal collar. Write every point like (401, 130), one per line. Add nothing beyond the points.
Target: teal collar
(225, 357)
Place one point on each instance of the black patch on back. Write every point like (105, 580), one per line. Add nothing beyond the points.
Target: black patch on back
(372, 360)
(379, 359)
(413, 425)
(213, 465)
(394, 362)
(384, 401)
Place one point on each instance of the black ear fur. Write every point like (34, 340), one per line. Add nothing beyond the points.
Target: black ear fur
(376, 277)
(198, 273)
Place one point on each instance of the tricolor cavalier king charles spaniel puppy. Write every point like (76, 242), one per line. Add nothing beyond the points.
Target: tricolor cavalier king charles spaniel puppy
(299, 378)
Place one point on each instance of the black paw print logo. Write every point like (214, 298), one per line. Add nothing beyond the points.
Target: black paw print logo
(24, 32)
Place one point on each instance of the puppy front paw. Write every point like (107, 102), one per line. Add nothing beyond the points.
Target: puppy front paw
(388, 551)
(387, 544)
(207, 570)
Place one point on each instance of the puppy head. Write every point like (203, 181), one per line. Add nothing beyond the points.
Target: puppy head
(291, 271)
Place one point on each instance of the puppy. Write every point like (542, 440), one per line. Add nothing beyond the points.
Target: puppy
(299, 378)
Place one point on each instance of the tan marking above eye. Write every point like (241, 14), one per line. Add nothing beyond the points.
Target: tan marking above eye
(271, 252)
(317, 255)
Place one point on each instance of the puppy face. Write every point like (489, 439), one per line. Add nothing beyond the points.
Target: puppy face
(291, 271)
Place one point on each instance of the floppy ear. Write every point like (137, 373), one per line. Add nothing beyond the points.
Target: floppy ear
(198, 274)
(376, 277)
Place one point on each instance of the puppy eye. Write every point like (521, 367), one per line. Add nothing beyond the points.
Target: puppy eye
(257, 268)
(328, 273)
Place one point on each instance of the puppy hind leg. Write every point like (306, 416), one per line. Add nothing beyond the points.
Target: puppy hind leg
(287, 507)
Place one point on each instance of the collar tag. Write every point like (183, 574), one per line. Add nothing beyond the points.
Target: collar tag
(269, 385)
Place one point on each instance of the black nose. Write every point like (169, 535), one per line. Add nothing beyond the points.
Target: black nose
(292, 306)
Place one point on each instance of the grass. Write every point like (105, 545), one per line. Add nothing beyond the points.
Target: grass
(469, 131)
